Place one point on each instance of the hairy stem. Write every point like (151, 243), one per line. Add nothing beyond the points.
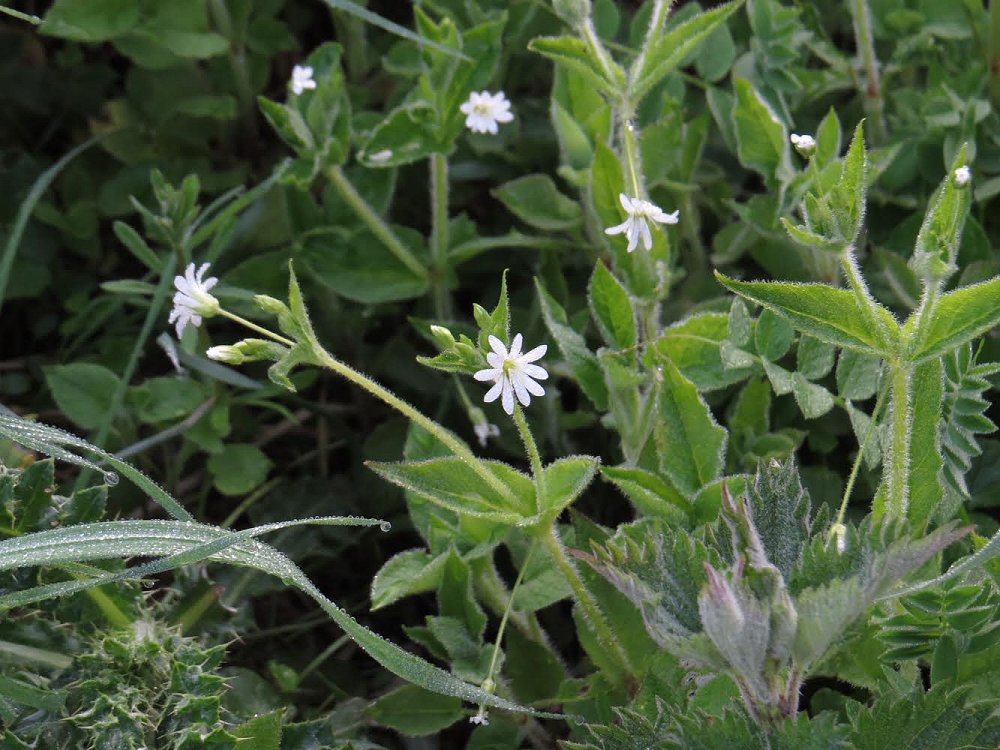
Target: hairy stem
(439, 235)
(534, 456)
(585, 599)
(375, 223)
(897, 477)
(630, 145)
(865, 42)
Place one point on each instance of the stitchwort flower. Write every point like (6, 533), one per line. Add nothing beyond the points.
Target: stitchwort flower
(192, 302)
(302, 79)
(512, 373)
(804, 144)
(640, 213)
(484, 110)
(484, 431)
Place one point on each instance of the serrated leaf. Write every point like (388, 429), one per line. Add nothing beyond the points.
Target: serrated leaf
(780, 508)
(690, 443)
(831, 315)
(612, 309)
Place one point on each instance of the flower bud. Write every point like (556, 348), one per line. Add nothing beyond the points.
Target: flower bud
(804, 144)
(962, 176)
(231, 355)
(270, 304)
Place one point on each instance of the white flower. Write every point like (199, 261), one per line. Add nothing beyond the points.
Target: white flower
(804, 144)
(512, 373)
(192, 302)
(302, 79)
(962, 176)
(480, 718)
(484, 431)
(484, 110)
(639, 213)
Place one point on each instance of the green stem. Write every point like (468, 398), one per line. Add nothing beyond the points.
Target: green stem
(453, 442)
(439, 234)
(21, 16)
(534, 457)
(375, 223)
(506, 613)
(874, 103)
(494, 594)
(597, 49)
(254, 327)
(869, 433)
(237, 56)
(657, 18)
(898, 469)
(925, 314)
(630, 146)
(586, 600)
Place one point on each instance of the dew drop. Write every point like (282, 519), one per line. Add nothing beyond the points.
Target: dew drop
(385, 525)
(110, 478)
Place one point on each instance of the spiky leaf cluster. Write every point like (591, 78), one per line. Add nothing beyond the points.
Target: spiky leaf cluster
(963, 416)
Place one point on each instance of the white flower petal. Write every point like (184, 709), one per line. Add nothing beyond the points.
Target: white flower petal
(484, 375)
(508, 396)
(522, 393)
(497, 346)
(515, 347)
(533, 387)
(493, 393)
(537, 353)
(534, 371)
(619, 228)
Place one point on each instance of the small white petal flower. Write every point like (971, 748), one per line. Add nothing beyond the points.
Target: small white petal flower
(804, 144)
(484, 110)
(484, 431)
(302, 79)
(512, 373)
(480, 718)
(192, 302)
(641, 212)
(962, 176)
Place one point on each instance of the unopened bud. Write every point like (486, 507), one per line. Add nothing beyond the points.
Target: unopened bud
(962, 176)
(270, 304)
(445, 337)
(231, 355)
(804, 144)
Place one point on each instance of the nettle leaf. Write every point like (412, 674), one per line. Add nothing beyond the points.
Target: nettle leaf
(963, 414)
(694, 346)
(612, 309)
(452, 484)
(690, 443)
(825, 613)
(414, 571)
(941, 717)
(959, 317)
(583, 362)
(536, 201)
(661, 571)
(761, 136)
(831, 315)
(780, 508)
(665, 52)
(573, 53)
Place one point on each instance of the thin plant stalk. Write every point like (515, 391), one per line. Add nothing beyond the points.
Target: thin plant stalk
(872, 93)
(439, 234)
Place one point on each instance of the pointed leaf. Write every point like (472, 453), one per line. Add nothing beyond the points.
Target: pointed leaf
(612, 309)
(565, 479)
(961, 316)
(761, 137)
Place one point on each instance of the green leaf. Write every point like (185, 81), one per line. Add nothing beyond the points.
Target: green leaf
(761, 137)
(690, 443)
(960, 316)
(848, 197)
(815, 358)
(782, 381)
(831, 315)
(194, 45)
(411, 572)
(739, 323)
(239, 468)
(90, 20)
(574, 349)
(936, 249)
(825, 613)
(452, 484)
(694, 344)
(406, 135)
(358, 266)
(574, 54)
(780, 510)
(828, 137)
(650, 494)
(664, 53)
(565, 480)
(84, 392)
(415, 712)
(496, 323)
(612, 309)
(137, 246)
(536, 200)
(857, 375)
(166, 399)
(33, 494)
(772, 336)
(260, 733)
(925, 443)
